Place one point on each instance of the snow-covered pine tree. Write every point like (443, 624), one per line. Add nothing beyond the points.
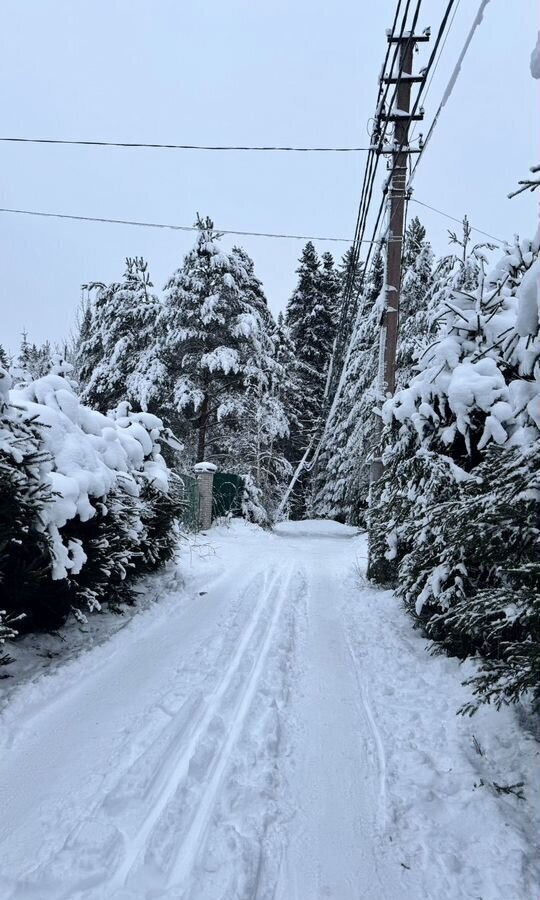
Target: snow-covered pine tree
(257, 448)
(456, 508)
(415, 239)
(342, 482)
(415, 326)
(390, 506)
(346, 273)
(330, 288)
(118, 356)
(216, 324)
(311, 317)
(27, 601)
(31, 362)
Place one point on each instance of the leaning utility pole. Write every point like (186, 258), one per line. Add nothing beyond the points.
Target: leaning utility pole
(401, 116)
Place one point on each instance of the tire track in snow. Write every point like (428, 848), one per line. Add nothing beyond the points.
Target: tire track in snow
(185, 731)
(375, 733)
(191, 846)
(177, 769)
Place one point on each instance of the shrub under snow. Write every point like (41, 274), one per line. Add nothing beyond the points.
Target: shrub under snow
(88, 502)
(456, 512)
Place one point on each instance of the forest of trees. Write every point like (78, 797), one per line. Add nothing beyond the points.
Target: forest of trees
(205, 367)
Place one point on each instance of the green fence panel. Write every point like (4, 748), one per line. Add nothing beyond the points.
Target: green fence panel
(227, 495)
(189, 497)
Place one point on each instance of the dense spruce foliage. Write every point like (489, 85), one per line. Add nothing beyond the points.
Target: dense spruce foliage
(88, 501)
(454, 521)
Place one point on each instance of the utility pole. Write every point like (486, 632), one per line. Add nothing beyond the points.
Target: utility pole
(380, 569)
(401, 116)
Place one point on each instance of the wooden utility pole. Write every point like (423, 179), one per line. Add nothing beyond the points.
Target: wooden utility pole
(401, 116)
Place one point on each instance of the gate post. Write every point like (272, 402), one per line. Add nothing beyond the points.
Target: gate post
(204, 472)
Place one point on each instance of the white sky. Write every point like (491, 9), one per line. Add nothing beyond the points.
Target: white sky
(288, 72)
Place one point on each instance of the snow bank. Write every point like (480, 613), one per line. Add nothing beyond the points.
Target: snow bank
(314, 527)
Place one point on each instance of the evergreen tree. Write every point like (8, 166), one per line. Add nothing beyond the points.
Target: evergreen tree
(118, 347)
(311, 318)
(216, 324)
(415, 326)
(342, 482)
(4, 359)
(330, 285)
(415, 239)
(455, 511)
(256, 450)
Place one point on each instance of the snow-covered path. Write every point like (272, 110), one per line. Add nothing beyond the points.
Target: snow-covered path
(271, 729)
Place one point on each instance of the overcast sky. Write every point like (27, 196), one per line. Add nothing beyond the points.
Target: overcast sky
(236, 72)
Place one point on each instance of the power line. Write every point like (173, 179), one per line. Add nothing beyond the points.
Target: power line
(265, 234)
(451, 83)
(427, 71)
(293, 237)
(134, 145)
(436, 66)
(454, 219)
(370, 171)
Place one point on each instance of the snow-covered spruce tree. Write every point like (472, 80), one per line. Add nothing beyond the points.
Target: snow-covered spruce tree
(457, 507)
(25, 547)
(287, 388)
(118, 354)
(31, 362)
(311, 317)
(415, 240)
(455, 272)
(415, 327)
(342, 482)
(220, 360)
(87, 499)
(257, 451)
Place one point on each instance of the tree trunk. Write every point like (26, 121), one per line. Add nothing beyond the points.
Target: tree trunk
(203, 424)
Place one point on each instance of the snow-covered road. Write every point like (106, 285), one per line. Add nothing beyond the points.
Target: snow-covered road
(273, 728)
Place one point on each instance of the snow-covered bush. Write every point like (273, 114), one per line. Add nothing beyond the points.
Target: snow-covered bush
(24, 494)
(456, 512)
(90, 497)
(252, 502)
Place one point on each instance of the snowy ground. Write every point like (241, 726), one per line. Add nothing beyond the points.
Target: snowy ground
(273, 728)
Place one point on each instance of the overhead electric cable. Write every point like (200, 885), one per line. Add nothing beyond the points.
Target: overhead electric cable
(345, 364)
(265, 234)
(437, 61)
(451, 83)
(133, 145)
(454, 219)
(427, 70)
(369, 175)
(373, 159)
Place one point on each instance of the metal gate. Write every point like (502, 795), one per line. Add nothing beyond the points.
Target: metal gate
(188, 489)
(227, 495)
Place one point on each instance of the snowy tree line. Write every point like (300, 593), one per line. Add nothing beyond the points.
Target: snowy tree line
(94, 434)
(454, 521)
(206, 368)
